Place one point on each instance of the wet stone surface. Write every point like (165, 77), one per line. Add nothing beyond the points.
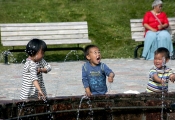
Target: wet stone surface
(65, 78)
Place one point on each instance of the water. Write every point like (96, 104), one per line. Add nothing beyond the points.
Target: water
(5, 55)
(90, 107)
(163, 90)
(162, 103)
(50, 116)
(20, 107)
(74, 53)
(109, 87)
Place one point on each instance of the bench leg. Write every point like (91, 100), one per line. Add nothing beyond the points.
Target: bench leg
(6, 57)
(173, 56)
(136, 49)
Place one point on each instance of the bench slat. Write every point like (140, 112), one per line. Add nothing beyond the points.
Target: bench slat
(43, 24)
(49, 37)
(42, 28)
(48, 42)
(138, 29)
(137, 24)
(33, 33)
(140, 20)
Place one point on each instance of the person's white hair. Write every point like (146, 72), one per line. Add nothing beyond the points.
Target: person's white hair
(156, 2)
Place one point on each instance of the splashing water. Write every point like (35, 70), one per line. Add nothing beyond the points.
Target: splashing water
(109, 87)
(89, 104)
(163, 86)
(50, 117)
(20, 107)
(74, 52)
(162, 102)
(7, 54)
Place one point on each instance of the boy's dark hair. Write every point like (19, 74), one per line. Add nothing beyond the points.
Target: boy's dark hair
(163, 51)
(87, 48)
(34, 46)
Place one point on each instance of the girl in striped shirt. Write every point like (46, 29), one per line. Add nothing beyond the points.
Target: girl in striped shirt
(33, 85)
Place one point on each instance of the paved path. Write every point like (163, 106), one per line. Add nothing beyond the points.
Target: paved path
(65, 78)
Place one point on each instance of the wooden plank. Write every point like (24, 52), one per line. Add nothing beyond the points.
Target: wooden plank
(139, 29)
(136, 25)
(42, 28)
(43, 24)
(139, 39)
(171, 19)
(35, 33)
(48, 42)
(138, 36)
(140, 20)
(138, 33)
(136, 20)
(49, 37)
(172, 27)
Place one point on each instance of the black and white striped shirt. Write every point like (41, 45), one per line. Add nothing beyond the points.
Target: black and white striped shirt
(28, 90)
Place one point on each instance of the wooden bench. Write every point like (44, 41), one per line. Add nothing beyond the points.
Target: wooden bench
(137, 32)
(19, 34)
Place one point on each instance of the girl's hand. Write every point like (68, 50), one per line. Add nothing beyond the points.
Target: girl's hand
(41, 95)
(40, 70)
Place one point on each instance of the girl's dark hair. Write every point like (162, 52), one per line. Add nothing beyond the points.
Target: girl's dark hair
(34, 46)
(163, 51)
(87, 48)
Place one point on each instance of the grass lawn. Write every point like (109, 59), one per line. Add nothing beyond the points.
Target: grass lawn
(108, 21)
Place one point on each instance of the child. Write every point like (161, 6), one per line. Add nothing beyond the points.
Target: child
(94, 72)
(160, 74)
(33, 84)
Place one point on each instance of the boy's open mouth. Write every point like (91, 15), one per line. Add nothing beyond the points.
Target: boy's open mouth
(98, 58)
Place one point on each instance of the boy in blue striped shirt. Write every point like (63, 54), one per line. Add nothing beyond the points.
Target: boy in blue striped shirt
(160, 74)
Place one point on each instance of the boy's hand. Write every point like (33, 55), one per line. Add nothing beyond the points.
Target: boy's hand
(163, 82)
(110, 79)
(172, 77)
(88, 92)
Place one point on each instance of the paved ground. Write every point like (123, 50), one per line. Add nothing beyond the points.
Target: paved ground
(65, 78)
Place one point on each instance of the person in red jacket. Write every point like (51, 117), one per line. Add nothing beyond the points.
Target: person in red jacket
(155, 23)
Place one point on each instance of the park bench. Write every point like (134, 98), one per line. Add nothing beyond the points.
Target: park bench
(58, 33)
(137, 32)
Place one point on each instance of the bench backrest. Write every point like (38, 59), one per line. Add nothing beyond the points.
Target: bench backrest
(137, 29)
(19, 34)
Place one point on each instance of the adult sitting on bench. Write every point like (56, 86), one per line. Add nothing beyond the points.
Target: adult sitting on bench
(156, 35)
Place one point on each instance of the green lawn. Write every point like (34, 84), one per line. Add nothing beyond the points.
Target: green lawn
(108, 21)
